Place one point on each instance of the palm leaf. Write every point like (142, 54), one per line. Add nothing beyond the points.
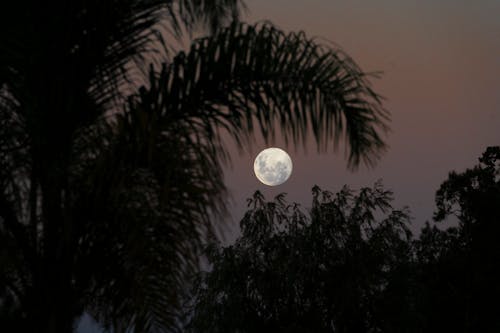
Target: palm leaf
(151, 190)
(63, 66)
(100, 45)
(257, 76)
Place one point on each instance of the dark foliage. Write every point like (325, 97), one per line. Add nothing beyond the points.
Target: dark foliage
(342, 267)
(350, 264)
(107, 190)
(459, 268)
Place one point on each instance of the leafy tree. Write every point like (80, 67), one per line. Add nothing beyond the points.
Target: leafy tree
(349, 264)
(105, 193)
(341, 267)
(459, 267)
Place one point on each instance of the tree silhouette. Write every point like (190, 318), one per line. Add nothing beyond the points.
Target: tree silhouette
(350, 264)
(459, 267)
(106, 194)
(342, 267)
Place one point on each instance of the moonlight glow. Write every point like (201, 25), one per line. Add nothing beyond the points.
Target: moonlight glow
(272, 166)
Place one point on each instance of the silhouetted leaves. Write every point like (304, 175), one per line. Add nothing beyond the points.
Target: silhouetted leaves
(332, 269)
(257, 74)
(99, 211)
(350, 264)
(107, 191)
(460, 266)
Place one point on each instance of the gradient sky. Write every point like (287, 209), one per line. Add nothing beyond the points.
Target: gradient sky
(441, 64)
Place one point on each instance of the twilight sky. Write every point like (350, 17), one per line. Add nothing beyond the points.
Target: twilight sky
(441, 64)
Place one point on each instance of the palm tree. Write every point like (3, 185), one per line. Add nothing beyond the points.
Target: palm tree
(63, 66)
(104, 203)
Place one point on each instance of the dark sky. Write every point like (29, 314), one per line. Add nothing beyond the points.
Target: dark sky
(441, 64)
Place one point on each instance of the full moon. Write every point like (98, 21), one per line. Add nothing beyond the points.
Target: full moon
(272, 166)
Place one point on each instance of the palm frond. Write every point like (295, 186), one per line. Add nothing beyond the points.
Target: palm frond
(102, 45)
(257, 76)
(212, 14)
(63, 66)
(151, 189)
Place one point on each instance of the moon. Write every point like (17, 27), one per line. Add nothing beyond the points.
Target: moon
(273, 166)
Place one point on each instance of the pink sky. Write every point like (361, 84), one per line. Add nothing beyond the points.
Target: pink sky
(441, 64)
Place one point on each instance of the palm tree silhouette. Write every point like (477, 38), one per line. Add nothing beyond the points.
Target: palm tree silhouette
(104, 203)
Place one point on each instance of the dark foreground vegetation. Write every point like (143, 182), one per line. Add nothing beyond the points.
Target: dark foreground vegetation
(111, 150)
(350, 263)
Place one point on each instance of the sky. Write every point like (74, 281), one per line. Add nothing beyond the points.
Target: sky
(441, 80)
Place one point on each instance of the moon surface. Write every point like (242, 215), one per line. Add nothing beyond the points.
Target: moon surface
(273, 166)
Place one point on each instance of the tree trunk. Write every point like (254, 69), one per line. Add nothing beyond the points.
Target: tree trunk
(55, 304)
